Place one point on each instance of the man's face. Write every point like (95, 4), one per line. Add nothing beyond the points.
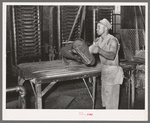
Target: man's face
(100, 29)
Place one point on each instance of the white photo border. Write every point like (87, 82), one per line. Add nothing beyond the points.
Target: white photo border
(72, 115)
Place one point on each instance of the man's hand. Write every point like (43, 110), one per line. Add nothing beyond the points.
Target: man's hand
(96, 39)
(94, 49)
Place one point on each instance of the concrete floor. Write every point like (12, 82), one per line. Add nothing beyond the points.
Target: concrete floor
(70, 95)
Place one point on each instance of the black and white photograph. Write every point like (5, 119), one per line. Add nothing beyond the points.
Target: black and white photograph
(75, 61)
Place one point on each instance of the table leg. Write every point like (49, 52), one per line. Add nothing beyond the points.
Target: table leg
(129, 83)
(133, 88)
(38, 100)
(20, 82)
(94, 88)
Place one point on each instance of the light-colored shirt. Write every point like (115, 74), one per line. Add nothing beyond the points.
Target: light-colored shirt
(105, 45)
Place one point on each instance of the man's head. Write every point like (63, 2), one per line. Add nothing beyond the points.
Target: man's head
(103, 26)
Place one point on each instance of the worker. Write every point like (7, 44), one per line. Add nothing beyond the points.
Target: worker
(107, 46)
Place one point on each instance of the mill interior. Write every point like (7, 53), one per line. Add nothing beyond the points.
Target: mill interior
(35, 35)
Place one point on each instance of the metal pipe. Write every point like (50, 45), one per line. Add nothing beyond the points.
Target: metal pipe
(18, 88)
(94, 89)
(11, 89)
(75, 21)
(22, 93)
(87, 88)
(9, 22)
(82, 20)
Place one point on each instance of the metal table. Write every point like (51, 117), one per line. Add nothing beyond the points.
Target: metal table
(51, 72)
(130, 67)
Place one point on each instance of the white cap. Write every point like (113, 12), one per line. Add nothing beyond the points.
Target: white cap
(106, 23)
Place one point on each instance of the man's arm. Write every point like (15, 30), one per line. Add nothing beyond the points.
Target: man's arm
(112, 51)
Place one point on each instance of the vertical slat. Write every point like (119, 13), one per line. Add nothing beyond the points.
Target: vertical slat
(93, 24)
(40, 28)
(14, 30)
(114, 27)
(58, 23)
(10, 36)
(51, 26)
(84, 29)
